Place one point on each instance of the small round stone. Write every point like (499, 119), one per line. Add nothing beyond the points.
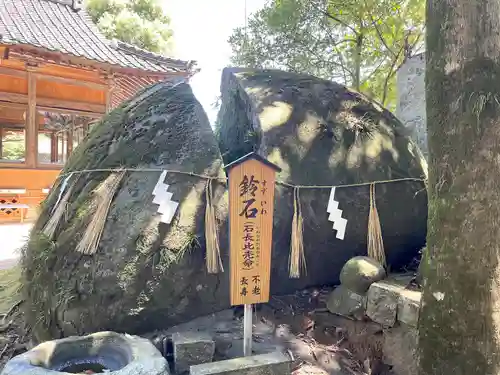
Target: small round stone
(360, 272)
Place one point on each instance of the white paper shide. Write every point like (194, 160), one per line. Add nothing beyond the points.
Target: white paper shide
(163, 198)
(339, 223)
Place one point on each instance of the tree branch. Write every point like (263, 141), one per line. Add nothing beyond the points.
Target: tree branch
(382, 39)
(336, 19)
(374, 71)
(379, 33)
(391, 73)
(348, 40)
(417, 40)
(312, 52)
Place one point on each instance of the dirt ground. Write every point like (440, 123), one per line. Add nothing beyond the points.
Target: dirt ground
(320, 343)
(13, 338)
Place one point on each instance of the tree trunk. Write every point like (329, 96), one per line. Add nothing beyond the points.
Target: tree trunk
(460, 318)
(357, 61)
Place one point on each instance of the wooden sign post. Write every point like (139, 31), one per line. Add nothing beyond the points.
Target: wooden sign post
(251, 205)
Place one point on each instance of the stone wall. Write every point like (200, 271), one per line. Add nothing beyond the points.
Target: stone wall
(394, 308)
(410, 107)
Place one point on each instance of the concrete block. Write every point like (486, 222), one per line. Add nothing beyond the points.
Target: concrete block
(191, 348)
(265, 364)
(409, 307)
(382, 303)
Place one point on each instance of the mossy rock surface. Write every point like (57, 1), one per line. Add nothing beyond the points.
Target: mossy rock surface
(320, 133)
(361, 272)
(145, 274)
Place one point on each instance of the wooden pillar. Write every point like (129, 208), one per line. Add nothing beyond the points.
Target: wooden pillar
(1, 142)
(53, 147)
(85, 128)
(64, 147)
(109, 93)
(69, 139)
(31, 125)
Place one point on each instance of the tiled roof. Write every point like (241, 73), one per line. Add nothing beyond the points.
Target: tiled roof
(59, 26)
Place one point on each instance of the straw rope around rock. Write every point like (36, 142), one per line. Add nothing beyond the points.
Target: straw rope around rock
(213, 258)
(105, 194)
(224, 179)
(297, 262)
(375, 241)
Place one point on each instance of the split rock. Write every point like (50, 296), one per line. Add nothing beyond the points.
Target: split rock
(147, 275)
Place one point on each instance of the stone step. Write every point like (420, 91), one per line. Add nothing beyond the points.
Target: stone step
(275, 363)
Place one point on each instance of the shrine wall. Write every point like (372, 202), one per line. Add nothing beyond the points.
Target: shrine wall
(410, 107)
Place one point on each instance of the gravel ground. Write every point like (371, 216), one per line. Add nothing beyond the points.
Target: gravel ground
(12, 236)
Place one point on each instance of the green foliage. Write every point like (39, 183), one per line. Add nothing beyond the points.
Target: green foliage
(138, 22)
(13, 147)
(14, 152)
(360, 43)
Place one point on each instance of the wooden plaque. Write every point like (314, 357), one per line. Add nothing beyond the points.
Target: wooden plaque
(251, 204)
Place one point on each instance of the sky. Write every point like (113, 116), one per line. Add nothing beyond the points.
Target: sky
(201, 30)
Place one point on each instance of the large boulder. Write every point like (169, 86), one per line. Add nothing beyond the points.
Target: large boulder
(147, 275)
(323, 134)
(144, 274)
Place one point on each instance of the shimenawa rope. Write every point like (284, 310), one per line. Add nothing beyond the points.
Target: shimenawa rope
(223, 179)
(297, 260)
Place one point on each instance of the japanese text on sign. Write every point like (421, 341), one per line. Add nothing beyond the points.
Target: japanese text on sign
(251, 201)
(251, 286)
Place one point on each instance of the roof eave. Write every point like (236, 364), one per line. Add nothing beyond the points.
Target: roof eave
(58, 57)
(252, 156)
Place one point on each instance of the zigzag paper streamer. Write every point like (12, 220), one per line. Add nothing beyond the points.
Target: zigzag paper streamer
(339, 223)
(163, 198)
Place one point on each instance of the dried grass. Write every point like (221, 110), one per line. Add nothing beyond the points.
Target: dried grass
(297, 256)
(58, 211)
(213, 258)
(105, 193)
(375, 240)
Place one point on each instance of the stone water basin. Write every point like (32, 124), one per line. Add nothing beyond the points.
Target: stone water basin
(102, 352)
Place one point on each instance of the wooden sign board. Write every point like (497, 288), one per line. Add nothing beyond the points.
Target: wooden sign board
(251, 205)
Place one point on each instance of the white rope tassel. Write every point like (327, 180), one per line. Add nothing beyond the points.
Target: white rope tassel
(61, 191)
